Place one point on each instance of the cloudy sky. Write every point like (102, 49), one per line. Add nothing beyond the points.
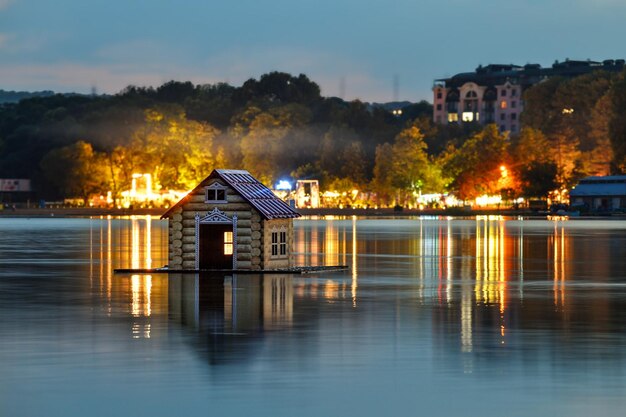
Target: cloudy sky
(352, 48)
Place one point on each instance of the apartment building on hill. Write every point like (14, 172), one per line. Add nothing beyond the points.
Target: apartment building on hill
(493, 93)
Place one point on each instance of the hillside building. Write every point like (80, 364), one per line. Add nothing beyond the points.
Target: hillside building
(493, 93)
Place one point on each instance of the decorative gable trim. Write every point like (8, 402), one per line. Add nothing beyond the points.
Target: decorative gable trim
(215, 216)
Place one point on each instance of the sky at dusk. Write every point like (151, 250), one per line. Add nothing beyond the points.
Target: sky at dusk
(353, 49)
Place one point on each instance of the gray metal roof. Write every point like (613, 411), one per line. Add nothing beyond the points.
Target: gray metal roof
(257, 194)
(252, 190)
(609, 186)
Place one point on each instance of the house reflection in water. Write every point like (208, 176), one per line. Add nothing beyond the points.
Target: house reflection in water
(224, 309)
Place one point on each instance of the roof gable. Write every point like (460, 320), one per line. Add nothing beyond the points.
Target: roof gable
(252, 190)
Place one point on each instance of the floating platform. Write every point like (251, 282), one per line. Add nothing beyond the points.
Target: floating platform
(294, 270)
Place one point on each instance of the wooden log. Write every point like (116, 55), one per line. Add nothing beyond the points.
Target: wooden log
(197, 198)
(243, 223)
(177, 235)
(189, 247)
(256, 217)
(244, 232)
(244, 240)
(256, 252)
(231, 197)
(189, 223)
(176, 251)
(243, 257)
(222, 207)
(177, 226)
(189, 231)
(244, 265)
(244, 248)
(177, 243)
(189, 264)
(189, 239)
(189, 256)
(178, 217)
(256, 243)
(256, 235)
(255, 226)
(256, 260)
(178, 260)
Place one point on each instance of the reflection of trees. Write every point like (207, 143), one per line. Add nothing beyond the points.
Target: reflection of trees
(496, 292)
(516, 311)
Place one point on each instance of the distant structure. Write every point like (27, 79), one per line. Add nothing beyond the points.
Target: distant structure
(600, 193)
(307, 194)
(230, 221)
(493, 94)
(13, 190)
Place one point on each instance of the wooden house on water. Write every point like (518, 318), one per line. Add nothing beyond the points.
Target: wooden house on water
(230, 221)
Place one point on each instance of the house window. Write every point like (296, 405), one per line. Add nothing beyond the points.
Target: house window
(513, 92)
(438, 106)
(502, 128)
(439, 94)
(513, 128)
(468, 116)
(502, 116)
(279, 244)
(453, 117)
(513, 104)
(282, 243)
(502, 93)
(215, 193)
(513, 116)
(228, 243)
(503, 104)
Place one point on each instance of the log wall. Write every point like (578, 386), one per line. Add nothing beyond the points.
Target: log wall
(182, 230)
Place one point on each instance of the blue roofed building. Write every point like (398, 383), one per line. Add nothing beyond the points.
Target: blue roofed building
(600, 193)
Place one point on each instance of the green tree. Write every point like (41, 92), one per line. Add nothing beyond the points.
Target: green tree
(353, 163)
(531, 146)
(538, 179)
(410, 163)
(602, 152)
(383, 171)
(267, 145)
(76, 171)
(177, 152)
(617, 125)
(476, 165)
(403, 170)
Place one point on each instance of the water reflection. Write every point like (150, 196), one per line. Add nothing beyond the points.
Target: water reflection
(226, 311)
(477, 270)
(430, 307)
(131, 242)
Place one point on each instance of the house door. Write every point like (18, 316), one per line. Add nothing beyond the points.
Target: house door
(216, 246)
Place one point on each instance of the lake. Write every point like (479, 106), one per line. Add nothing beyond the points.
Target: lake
(436, 316)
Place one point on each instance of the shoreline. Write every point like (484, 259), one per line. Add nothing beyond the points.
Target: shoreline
(92, 212)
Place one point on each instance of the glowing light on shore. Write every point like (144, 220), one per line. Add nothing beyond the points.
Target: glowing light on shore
(283, 185)
(488, 200)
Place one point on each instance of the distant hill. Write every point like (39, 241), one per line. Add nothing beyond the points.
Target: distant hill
(15, 96)
(393, 105)
(409, 110)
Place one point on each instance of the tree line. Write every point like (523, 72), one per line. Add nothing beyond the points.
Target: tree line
(281, 126)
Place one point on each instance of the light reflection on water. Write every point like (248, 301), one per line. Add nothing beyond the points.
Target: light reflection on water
(524, 315)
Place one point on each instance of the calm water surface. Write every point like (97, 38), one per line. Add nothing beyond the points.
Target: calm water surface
(437, 317)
